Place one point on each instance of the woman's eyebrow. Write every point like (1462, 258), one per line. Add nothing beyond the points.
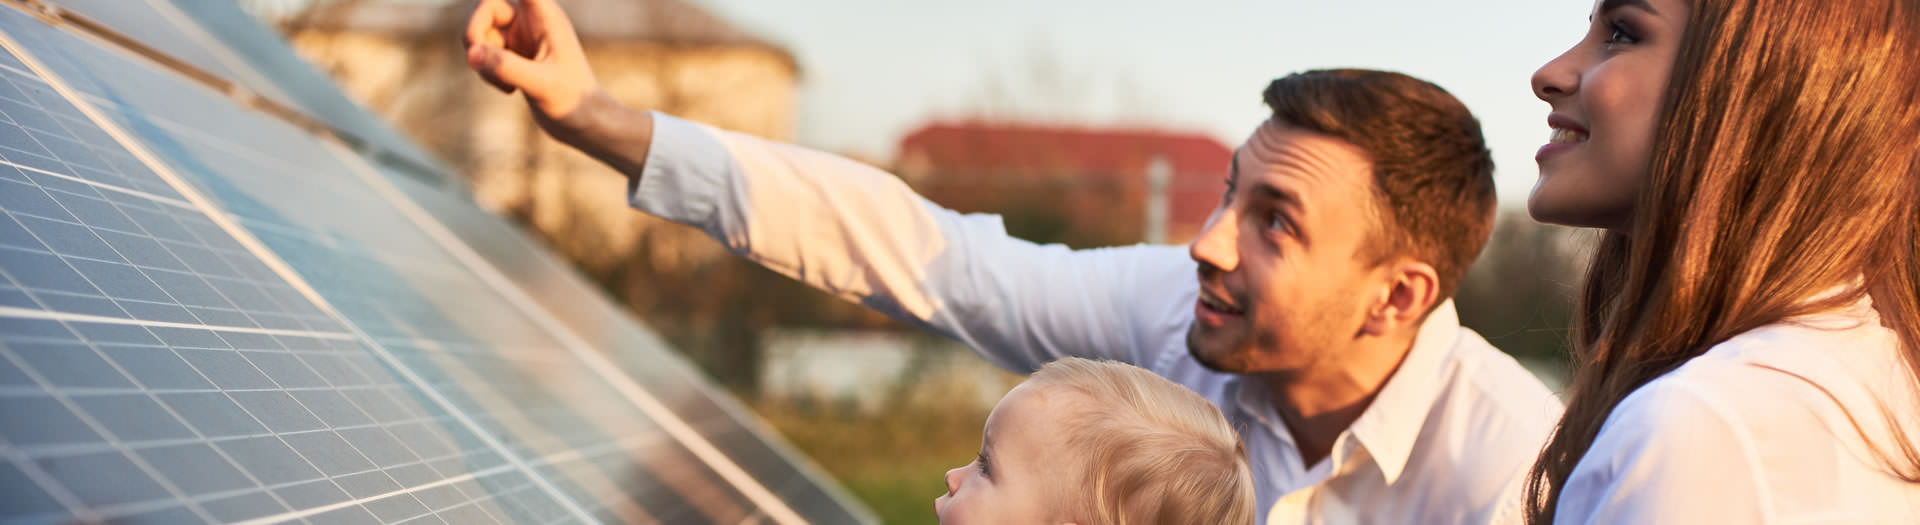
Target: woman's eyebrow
(1607, 6)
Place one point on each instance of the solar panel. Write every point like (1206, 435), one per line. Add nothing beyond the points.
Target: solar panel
(730, 427)
(209, 314)
(224, 41)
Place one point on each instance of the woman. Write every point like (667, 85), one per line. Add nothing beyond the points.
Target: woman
(1749, 334)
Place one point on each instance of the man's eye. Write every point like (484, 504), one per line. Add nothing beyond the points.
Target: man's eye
(1278, 222)
(1227, 196)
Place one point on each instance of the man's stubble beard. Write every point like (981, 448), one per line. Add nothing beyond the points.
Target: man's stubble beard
(1233, 361)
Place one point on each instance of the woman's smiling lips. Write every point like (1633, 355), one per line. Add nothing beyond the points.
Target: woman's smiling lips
(1567, 133)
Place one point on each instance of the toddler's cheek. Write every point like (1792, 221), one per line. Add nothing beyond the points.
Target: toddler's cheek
(943, 510)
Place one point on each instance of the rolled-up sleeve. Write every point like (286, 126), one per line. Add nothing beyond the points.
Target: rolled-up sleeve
(863, 235)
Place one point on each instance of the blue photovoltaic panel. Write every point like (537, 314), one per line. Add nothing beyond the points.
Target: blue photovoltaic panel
(153, 369)
(153, 25)
(641, 354)
(406, 295)
(219, 38)
(412, 382)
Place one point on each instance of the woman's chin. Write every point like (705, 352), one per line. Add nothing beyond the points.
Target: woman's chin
(1543, 205)
(1544, 208)
(1577, 217)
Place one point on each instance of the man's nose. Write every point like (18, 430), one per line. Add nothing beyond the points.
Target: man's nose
(1215, 246)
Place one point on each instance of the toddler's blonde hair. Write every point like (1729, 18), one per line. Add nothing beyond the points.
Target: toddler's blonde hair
(1156, 452)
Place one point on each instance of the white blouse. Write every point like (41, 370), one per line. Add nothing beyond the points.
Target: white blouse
(1761, 429)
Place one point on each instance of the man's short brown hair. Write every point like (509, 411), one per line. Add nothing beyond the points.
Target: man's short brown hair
(1432, 172)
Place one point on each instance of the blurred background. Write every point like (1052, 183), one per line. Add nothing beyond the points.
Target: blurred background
(1083, 123)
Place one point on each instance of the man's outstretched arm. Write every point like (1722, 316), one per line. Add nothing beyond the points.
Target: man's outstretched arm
(838, 225)
(531, 47)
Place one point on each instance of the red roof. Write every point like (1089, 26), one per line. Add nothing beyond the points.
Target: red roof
(1088, 151)
(1109, 159)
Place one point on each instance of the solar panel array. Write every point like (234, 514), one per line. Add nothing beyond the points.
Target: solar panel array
(211, 314)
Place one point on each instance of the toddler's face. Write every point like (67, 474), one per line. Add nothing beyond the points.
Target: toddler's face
(1023, 463)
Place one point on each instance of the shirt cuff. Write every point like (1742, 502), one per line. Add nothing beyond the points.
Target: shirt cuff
(686, 172)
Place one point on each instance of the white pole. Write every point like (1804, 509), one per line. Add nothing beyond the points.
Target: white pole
(1159, 177)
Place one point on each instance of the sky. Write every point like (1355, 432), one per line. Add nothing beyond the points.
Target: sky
(874, 70)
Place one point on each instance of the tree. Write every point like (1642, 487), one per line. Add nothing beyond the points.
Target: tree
(1519, 294)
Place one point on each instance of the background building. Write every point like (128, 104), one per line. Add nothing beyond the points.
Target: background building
(668, 55)
(400, 59)
(1081, 185)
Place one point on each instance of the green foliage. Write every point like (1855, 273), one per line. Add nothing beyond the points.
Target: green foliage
(1519, 294)
(894, 460)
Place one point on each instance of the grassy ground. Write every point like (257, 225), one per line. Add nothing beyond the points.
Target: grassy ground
(892, 459)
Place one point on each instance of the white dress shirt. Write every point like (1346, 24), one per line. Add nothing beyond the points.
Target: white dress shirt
(1757, 430)
(1447, 440)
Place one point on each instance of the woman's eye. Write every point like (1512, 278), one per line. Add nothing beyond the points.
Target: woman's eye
(981, 461)
(1619, 34)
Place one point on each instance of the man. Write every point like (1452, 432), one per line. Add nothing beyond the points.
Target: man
(1319, 323)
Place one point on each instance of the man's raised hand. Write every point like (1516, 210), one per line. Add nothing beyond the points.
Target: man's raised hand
(530, 46)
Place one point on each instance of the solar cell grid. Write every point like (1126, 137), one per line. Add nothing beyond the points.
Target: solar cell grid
(137, 385)
(293, 339)
(642, 354)
(158, 26)
(219, 392)
(380, 291)
(190, 402)
(204, 35)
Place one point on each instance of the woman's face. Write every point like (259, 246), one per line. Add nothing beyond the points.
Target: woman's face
(1606, 94)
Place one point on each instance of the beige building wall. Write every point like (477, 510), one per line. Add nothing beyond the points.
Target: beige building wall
(424, 86)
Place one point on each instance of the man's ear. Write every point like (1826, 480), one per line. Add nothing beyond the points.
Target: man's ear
(1408, 288)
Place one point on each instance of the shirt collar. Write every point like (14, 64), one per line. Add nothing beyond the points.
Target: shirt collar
(1858, 313)
(1391, 424)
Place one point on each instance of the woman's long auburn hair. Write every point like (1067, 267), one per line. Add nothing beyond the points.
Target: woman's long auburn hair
(1785, 165)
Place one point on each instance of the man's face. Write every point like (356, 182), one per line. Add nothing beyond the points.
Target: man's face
(1282, 284)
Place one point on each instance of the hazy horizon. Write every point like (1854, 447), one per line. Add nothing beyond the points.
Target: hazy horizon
(872, 70)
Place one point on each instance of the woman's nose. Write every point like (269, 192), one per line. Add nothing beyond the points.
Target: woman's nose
(1557, 78)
